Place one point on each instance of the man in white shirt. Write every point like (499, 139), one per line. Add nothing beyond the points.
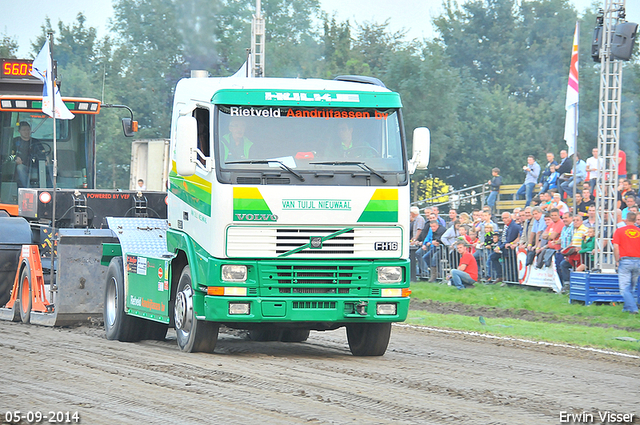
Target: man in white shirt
(593, 165)
(416, 226)
(557, 203)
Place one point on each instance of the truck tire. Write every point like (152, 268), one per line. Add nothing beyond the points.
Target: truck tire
(295, 335)
(155, 331)
(193, 335)
(24, 293)
(368, 339)
(118, 325)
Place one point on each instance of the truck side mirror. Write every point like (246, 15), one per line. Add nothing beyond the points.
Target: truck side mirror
(421, 149)
(129, 127)
(186, 145)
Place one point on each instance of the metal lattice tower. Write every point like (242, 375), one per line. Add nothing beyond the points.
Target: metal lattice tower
(257, 43)
(608, 138)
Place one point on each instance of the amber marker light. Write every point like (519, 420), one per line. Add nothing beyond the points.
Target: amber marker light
(229, 291)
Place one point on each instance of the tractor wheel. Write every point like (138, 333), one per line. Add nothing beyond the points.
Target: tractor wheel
(25, 294)
(193, 335)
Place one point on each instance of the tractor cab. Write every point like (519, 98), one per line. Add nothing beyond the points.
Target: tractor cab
(26, 147)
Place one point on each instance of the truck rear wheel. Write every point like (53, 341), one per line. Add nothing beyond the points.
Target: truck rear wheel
(193, 335)
(118, 325)
(368, 339)
(24, 292)
(155, 331)
(295, 335)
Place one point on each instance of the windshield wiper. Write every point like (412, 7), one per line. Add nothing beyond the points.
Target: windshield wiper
(283, 166)
(358, 163)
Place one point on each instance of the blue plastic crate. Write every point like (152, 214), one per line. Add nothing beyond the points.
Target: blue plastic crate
(596, 287)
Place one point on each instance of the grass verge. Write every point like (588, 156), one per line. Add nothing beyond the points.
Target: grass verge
(523, 312)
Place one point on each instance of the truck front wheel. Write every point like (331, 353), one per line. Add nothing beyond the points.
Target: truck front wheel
(368, 339)
(192, 334)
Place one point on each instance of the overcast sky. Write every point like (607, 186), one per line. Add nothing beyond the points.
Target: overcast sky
(22, 19)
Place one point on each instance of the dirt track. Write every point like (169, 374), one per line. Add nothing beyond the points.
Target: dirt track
(426, 377)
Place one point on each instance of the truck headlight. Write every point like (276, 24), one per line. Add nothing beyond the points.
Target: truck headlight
(234, 273)
(387, 309)
(389, 274)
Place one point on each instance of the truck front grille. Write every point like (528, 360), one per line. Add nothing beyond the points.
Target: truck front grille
(288, 239)
(316, 279)
(266, 241)
(303, 275)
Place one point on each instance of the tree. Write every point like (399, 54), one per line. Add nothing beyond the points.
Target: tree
(8, 46)
(198, 24)
(292, 43)
(148, 55)
(336, 38)
(520, 46)
(376, 44)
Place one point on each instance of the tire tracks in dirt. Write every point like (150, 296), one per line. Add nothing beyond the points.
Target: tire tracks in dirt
(424, 378)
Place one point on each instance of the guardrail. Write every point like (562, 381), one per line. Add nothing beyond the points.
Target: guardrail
(472, 195)
(436, 264)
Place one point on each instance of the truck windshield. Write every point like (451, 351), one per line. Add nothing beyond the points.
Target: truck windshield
(26, 157)
(311, 142)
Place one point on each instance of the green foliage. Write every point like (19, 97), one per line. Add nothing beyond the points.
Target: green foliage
(491, 87)
(433, 188)
(292, 47)
(528, 298)
(520, 46)
(8, 46)
(376, 45)
(554, 333)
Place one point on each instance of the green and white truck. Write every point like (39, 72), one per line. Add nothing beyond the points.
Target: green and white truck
(288, 211)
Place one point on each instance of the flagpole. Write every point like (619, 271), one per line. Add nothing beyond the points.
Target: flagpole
(575, 134)
(54, 245)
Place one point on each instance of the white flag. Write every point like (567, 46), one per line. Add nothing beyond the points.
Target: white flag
(41, 69)
(571, 103)
(244, 70)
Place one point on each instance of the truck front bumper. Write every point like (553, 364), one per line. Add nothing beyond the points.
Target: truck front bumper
(302, 309)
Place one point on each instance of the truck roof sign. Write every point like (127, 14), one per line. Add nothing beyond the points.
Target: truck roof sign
(317, 98)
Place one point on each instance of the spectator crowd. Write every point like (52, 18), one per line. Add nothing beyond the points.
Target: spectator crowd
(465, 249)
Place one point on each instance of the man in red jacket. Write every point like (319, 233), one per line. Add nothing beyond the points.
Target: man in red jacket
(467, 272)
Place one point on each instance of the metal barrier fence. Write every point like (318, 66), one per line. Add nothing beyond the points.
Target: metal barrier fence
(436, 264)
(473, 196)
